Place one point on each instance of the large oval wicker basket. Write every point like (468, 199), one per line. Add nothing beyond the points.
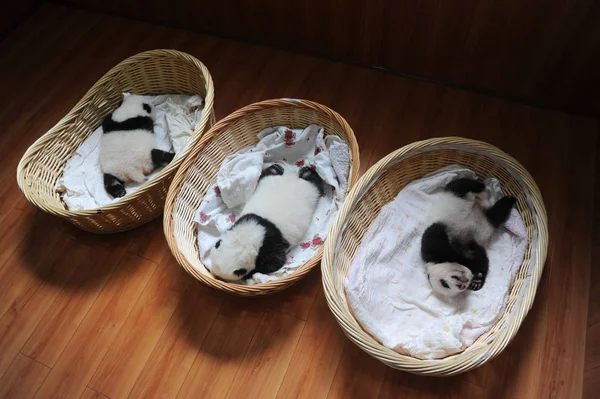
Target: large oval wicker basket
(227, 136)
(378, 186)
(150, 72)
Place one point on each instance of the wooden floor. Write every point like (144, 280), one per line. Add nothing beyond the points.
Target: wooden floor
(95, 317)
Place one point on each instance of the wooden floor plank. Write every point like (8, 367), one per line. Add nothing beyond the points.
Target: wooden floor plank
(558, 316)
(592, 356)
(591, 383)
(591, 380)
(594, 299)
(573, 230)
(23, 117)
(29, 75)
(150, 243)
(358, 375)
(173, 356)
(81, 291)
(316, 357)
(261, 372)
(144, 326)
(13, 228)
(495, 376)
(91, 394)
(22, 263)
(218, 361)
(23, 378)
(296, 301)
(29, 303)
(85, 350)
(398, 384)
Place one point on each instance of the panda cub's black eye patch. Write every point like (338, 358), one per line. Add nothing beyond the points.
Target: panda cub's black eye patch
(147, 108)
(218, 244)
(240, 272)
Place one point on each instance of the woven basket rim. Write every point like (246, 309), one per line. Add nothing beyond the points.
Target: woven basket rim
(29, 155)
(181, 175)
(470, 358)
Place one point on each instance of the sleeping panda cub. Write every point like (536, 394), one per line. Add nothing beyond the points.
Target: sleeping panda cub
(461, 225)
(273, 220)
(127, 152)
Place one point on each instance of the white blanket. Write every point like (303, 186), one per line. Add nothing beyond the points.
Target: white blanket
(82, 183)
(238, 177)
(387, 284)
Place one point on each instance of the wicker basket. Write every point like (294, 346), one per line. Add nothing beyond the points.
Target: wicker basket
(378, 186)
(151, 72)
(199, 170)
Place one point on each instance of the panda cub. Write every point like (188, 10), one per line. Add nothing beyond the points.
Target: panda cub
(461, 225)
(274, 219)
(127, 152)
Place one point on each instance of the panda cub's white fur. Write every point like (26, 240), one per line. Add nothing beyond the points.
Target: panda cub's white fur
(275, 218)
(126, 154)
(288, 202)
(237, 250)
(464, 218)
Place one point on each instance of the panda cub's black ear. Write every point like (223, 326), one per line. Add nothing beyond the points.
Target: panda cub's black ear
(147, 107)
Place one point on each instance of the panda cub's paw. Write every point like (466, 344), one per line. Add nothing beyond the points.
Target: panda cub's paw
(273, 170)
(477, 282)
(117, 191)
(310, 175)
(114, 186)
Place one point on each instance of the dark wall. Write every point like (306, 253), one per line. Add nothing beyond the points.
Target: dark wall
(544, 51)
(13, 12)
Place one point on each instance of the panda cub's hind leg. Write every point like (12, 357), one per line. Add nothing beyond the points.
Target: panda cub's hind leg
(311, 176)
(161, 158)
(273, 170)
(114, 186)
(464, 186)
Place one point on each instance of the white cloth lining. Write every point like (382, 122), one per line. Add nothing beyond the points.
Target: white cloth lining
(511, 171)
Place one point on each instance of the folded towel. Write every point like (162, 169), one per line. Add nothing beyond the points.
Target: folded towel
(238, 177)
(387, 285)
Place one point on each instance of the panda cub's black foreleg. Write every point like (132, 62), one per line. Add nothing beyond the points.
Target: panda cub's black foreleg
(498, 214)
(478, 262)
(114, 186)
(462, 187)
(311, 176)
(161, 158)
(436, 247)
(273, 170)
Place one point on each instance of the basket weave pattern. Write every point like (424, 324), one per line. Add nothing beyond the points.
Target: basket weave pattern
(229, 135)
(150, 73)
(378, 186)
